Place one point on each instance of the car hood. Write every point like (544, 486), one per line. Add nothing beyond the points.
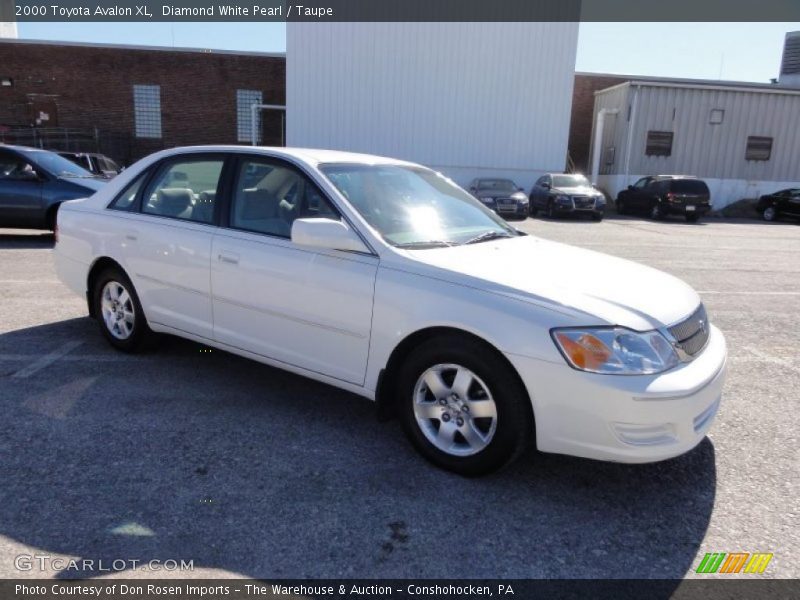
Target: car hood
(565, 278)
(89, 184)
(581, 190)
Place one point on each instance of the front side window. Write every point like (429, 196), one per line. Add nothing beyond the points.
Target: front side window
(185, 189)
(415, 207)
(268, 197)
(642, 183)
(16, 168)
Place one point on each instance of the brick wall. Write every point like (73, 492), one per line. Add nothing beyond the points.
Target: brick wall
(92, 87)
(580, 129)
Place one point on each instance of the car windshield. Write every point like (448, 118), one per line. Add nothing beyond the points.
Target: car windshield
(415, 207)
(500, 185)
(570, 181)
(56, 165)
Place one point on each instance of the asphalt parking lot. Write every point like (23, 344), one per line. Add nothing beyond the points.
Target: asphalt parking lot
(250, 471)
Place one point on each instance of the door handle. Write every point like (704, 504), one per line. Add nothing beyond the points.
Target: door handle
(227, 257)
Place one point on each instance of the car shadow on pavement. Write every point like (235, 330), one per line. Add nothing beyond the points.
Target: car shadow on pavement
(194, 454)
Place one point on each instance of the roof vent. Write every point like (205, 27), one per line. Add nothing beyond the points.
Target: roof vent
(790, 64)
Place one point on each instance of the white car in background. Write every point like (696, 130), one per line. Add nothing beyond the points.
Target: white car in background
(386, 279)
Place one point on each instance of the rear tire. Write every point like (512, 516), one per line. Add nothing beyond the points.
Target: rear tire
(692, 218)
(656, 212)
(119, 312)
(597, 217)
(443, 386)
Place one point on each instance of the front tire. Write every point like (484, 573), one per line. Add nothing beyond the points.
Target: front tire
(770, 214)
(462, 406)
(621, 210)
(551, 213)
(119, 312)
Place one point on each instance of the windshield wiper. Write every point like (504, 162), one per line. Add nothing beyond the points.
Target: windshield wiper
(488, 235)
(427, 244)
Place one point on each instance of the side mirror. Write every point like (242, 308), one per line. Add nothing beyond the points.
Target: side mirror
(326, 233)
(520, 189)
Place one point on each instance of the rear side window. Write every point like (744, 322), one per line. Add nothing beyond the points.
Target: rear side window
(127, 199)
(689, 186)
(185, 189)
(269, 197)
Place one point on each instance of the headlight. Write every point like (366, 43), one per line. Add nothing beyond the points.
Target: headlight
(563, 199)
(487, 200)
(615, 350)
(600, 199)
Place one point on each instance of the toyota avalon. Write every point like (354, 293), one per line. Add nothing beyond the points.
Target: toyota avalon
(386, 279)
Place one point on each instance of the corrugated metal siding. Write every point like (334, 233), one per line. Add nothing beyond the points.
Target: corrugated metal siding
(717, 151)
(453, 96)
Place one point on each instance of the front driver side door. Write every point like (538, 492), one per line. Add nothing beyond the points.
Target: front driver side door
(20, 192)
(306, 307)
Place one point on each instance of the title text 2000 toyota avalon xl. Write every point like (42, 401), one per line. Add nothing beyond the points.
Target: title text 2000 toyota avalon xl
(386, 279)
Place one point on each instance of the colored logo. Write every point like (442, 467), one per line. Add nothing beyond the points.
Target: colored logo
(734, 562)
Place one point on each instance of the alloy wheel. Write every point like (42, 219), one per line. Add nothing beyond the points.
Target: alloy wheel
(455, 409)
(117, 310)
(770, 213)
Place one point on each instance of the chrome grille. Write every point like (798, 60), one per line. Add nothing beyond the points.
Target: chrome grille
(691, 334)
(583, 201)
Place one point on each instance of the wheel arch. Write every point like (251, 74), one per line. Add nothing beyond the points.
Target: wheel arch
(100, 264)
(387, 380)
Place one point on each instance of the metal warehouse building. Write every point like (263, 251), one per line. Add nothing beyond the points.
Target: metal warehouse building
(742, 139)
(468, 99)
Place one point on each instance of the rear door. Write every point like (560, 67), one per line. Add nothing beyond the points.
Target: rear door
(792, 203)
(307, 307)
(20, 192)
(167, 242)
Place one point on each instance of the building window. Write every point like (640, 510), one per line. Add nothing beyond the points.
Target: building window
(147, 110)
(758, 148)
(244, 100)
(716, 116)
(659, 143)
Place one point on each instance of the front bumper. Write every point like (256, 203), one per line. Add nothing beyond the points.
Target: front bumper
(571, 209)
(517, 210)
(632, 419)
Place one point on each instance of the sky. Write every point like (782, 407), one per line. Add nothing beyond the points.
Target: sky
(730, 51)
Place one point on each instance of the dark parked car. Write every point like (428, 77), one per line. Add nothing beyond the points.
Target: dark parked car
(663, 195)
(99, 164)
(562, 194)
(784, 202)
(34, 182)
(503, 196)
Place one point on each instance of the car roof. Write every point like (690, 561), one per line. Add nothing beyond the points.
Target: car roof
(309, 155)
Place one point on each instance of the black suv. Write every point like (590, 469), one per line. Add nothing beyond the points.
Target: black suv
(662, 195)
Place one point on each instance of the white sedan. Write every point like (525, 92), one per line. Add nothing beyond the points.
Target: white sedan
(386, 279)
